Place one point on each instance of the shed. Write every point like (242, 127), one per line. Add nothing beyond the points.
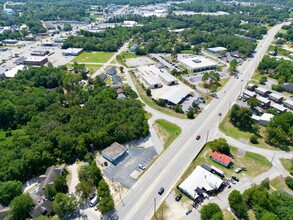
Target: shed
(222, 159)
(262, 91)
(251, 86)
(276, 97)
(114, 152)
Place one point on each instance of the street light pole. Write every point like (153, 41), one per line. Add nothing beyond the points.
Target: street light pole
(155, 207)
(207, 136)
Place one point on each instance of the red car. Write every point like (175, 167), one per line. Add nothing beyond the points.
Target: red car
(197, 137)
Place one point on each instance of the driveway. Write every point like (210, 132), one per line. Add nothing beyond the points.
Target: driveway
(122, 172)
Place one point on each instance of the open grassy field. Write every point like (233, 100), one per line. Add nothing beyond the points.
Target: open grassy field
(161, 212)
(281, 51)
(287, 164)
(229, 129)
(93, 57)
(255, 164)
(279, 183)
(222, 82)
(167, 131)
(93, 67)
(127, 55)
(150, 102)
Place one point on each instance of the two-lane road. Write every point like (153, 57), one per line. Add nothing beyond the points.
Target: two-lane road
(165, 172)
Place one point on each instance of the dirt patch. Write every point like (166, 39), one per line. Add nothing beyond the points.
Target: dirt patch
(118, 192)
(163, 135)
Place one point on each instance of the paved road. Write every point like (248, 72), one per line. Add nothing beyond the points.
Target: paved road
(139, 202)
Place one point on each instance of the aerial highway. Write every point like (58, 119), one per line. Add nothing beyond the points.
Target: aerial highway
(142, 199)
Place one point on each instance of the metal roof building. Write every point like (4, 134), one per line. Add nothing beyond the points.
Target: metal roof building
(151, 82)
(167, 78)
(279, 108)
(262, 91)
(200, 178)
(289, 103)
(198, 63)
(175, 96)
(217, 50)
(276, 97)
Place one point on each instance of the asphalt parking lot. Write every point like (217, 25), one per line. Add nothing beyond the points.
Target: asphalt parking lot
(121, 173)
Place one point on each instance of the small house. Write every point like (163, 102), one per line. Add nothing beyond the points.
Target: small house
(222, 159)
(114, 152)
(262, 91)
(251, 87)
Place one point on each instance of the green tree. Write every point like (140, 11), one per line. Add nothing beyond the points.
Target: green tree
(289, 182)
(233, 66)
(219, 145)
(50, 191)
(253, 139)
(211, 211)
(253, 102)
(148, 92)
(190, 114)
(269, 216)
(61, 184)
(67, 27)
(84, 189)
(64, 205)
(20, 206)
(241, 117)
(106, 204)
(9, 190)
(237, 204)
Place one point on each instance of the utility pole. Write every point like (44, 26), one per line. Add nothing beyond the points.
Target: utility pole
(155, 203)
(207, 136)
(113, 184)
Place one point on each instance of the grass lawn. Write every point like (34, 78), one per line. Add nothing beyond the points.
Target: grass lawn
(287, 164)
(281, 51)
(127, 55)
(93, 57)
(228, 128)
(187, 51)
(279, 183)
(255, 164)
(149, 101)
(167, 131)
(227, 215)
(148, 115)
(222, 82)
(93, 67)
(159, 215)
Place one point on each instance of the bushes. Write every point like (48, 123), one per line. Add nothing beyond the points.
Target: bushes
(289, 182)
(253, 139)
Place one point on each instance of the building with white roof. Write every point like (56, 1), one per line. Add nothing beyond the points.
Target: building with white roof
(264, 101)
(263, 119)
(217, 50)
(72, 51)
(167, 78)
(198, 63)
(251, 86)
(279, 108)
(11, 73)
(276, 97)
(262, 91)
(202, 179)
(151, 82)
(175, 95)
(288, 103)
(248, 94)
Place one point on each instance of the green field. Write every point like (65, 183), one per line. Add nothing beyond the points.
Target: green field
(281, 51)
(93, 57)
(287, 164)
(167, 131)
(255, 164)
(229, 129)
(222, 82)
(279, 183)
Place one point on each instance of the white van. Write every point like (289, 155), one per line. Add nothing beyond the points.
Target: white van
(94, 201)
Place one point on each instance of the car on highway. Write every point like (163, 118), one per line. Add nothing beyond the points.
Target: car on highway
(197, 137)
(188, 212)
(161, 191)
(235, 178)
(140, 166)
(178, 197)
(220, 114)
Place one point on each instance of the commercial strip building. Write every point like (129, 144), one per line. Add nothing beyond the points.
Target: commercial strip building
(175, 96)
(198, 63)
(217, 50)
(35, 61)
(200, 181)
(114, 152)
(12, 72)
(72, 51)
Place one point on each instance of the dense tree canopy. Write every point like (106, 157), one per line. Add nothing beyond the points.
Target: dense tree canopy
(9, 190)
(211, 211)
(237, 204)
(20, 206)
(44, 124)
(64, 205)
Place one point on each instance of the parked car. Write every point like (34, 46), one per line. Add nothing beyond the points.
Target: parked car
(141, 166)
(233, 181)
(96, 208)
(161, 190)
(244, 168)
(238, 170)
(188, 212)
(235, 178)
(197, 137)
(178, 197)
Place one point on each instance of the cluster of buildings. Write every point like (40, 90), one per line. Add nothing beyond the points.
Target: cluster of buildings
(268, 100)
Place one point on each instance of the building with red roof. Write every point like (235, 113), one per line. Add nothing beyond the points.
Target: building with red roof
(222, 159)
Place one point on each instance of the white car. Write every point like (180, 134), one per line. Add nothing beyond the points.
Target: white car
(141, 167)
